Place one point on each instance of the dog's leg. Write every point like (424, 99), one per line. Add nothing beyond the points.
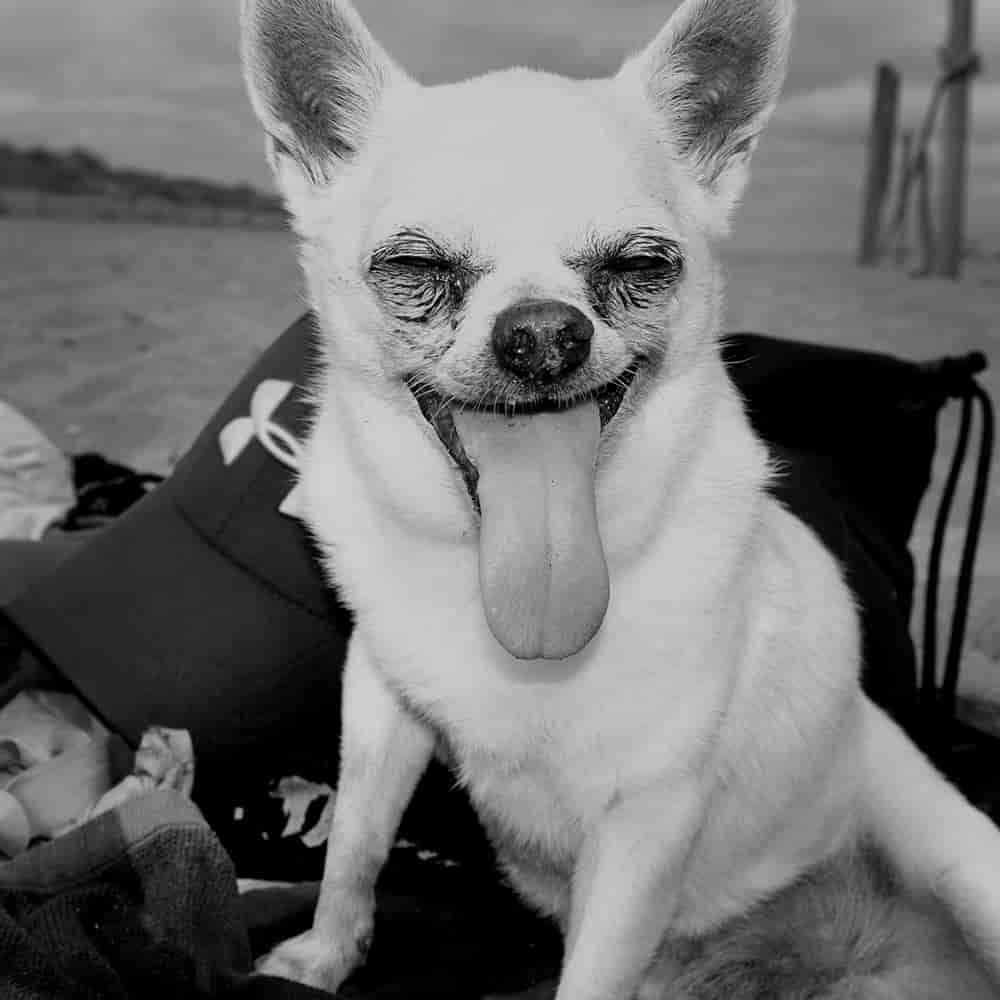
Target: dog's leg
(938, 841)
(625, 891)
(384, 751)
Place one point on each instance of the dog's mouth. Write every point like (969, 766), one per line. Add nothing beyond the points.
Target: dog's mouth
(529, 471)
(439, 413)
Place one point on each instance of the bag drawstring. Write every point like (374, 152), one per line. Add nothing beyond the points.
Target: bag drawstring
(955, 377)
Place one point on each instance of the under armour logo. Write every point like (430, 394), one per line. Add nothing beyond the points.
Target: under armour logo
(276, 440)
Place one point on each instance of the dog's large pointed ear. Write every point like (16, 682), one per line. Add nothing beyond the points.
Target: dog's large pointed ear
(315, 77)
(713, 74)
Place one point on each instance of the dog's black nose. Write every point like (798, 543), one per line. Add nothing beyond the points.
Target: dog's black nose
(542, 339)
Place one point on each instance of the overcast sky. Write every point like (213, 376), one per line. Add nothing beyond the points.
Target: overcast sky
(156, 82)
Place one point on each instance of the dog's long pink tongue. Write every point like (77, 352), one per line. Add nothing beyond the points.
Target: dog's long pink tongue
(542, 572)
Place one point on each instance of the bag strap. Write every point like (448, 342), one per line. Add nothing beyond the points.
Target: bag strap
(955, 378)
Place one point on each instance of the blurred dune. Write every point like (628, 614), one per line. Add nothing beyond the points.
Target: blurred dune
(79, 184)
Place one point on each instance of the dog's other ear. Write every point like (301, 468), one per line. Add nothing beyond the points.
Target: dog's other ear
(315, 77)
(713, 74)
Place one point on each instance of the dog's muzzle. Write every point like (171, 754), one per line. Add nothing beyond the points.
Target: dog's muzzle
(439, 413)
(529, 470)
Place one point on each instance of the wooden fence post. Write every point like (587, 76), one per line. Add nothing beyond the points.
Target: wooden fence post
(881, 143)
(954, 145)
(899, 229)
(925, 214)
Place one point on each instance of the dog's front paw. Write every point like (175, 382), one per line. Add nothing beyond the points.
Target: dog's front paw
(313, 959)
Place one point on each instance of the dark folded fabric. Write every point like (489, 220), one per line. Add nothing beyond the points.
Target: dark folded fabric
(140, 902)
(441, 934)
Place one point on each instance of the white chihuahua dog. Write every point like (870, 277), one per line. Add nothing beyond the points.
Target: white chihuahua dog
(534, 484)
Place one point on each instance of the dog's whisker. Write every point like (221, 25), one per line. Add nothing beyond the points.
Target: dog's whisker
(443, 407)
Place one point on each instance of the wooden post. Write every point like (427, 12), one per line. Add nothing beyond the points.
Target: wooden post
(881, 142)
(900, 229)
(925, 214)
(954, 145)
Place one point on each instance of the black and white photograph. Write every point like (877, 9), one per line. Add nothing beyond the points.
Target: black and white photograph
(498, 501)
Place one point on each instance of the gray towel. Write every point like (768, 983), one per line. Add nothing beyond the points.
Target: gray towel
(138, 902)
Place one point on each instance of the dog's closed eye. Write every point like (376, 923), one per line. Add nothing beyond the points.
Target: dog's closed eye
(417, 278)
(415, 251)
(629, 271)
(416, 263)
(643, 264)
(643, 251)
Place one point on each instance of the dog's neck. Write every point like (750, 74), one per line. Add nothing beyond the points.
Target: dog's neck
(688, 449)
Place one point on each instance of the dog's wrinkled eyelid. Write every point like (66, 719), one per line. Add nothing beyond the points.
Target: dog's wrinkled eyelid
(648, 264)
(422, 260)
(417, 250)
(413, 262)
(645, 252)
(638, 252)
(420, 281)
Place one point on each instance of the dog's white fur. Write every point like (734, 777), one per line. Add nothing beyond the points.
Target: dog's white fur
(711, 743)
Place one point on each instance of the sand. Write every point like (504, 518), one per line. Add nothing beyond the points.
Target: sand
(123, 338)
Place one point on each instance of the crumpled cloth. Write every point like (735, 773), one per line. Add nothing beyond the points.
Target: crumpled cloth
(37, 725)
(140, 902)
(56, 767)
(36, 479)
(53, 764)
(164, 760)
